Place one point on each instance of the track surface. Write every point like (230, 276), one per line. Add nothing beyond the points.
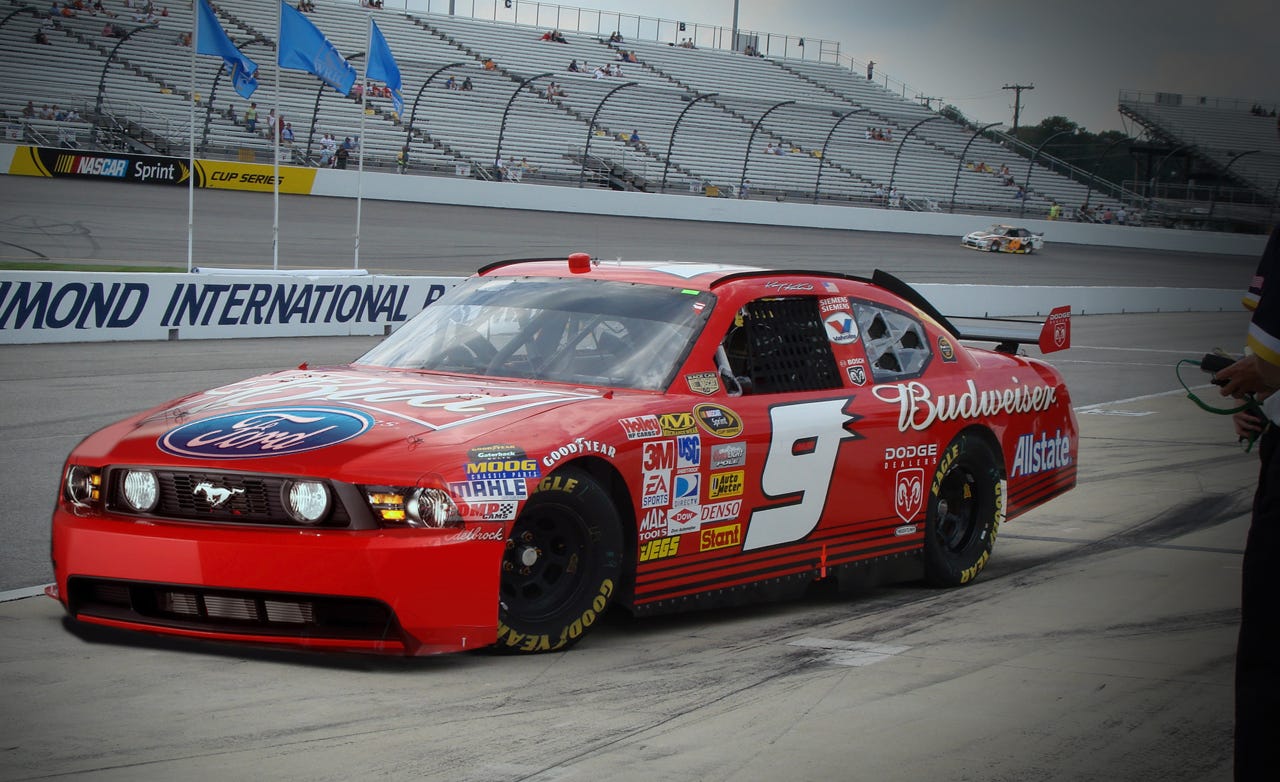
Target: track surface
(1098, 645)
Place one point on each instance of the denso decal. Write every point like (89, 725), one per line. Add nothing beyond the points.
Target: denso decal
(430, 403)
(721, 511)
(908, 493)
(1041, 454)
(640, 427)
(728, 455)
(683, 520)
(918, 409)
(720, 537)
(725, 484)
(492, 489)
(271, 432)
(688, 452)
(717, 420)
(687, 488)
(579, 446)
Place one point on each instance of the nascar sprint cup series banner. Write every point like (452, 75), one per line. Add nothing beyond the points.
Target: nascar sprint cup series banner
(157, 170)
(82, 307)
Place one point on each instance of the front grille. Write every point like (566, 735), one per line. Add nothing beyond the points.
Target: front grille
(233, 611)
(254, 499)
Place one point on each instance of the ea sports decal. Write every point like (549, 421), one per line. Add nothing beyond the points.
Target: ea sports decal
(908, 493)
(276, 431)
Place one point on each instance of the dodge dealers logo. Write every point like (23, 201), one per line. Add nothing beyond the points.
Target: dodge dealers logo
(272, 432)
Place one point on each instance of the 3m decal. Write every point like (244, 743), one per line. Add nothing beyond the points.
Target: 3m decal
(257, 433)
(717, 420)
(918, 409)
(799, 477)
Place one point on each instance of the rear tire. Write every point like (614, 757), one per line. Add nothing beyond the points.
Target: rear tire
(562, 564)
(966, 507)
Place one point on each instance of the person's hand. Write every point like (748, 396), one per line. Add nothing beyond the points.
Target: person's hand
(1248, 424)
(1249, 375)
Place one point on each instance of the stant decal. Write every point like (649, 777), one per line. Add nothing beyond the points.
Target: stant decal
(271, 432)
(720, 537)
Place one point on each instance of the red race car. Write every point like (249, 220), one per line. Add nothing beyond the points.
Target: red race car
(551, 439)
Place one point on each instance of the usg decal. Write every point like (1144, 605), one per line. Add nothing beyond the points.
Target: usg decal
(272, 432)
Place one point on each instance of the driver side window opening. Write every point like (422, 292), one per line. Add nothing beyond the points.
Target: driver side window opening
(895, 342)
(778, 345)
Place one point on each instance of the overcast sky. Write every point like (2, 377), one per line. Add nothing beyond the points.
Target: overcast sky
(1078, 54)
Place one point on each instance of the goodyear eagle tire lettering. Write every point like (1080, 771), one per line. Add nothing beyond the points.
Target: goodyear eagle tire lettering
(561, 565)
(966, 507)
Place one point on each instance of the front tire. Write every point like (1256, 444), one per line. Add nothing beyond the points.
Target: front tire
(966, 507)
(562, 564)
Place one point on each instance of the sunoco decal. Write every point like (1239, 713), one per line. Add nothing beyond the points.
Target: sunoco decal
(272, 432)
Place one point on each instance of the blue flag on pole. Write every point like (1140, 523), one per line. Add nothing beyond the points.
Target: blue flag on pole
(304, 48)
(382, 66)
(212, 40)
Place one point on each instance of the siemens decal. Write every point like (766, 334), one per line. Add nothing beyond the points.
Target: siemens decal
(96, 305)
(234, 304)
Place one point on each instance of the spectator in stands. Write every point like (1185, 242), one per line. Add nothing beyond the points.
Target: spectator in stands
(343, 154)
(40, 37)
(744, 189)
(271, 123)
(599, 73)
(616, 37)
(402, 159)
(1055, 211)
(573, 66)
(286, 134)
(616, 70)
(895, 198)
(1121, 215)
(46, 112)
(230, 113)
(306, 6)
(1021, 193)
(328, 146)
(635, 139)
(489, 64)
(1108, 216)
(184, 39)
(251, 118)
(99, 8)
(450, 83)
(29, 110)
(545, 36)
(871, 68)
(467, 86)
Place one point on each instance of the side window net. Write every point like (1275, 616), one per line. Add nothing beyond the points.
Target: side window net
(894, 341)
(781, 345)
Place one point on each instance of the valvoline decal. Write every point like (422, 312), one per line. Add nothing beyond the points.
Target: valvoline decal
(252, 434)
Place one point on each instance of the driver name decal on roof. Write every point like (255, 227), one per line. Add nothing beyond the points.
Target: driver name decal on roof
(432, 404)
(253, 434)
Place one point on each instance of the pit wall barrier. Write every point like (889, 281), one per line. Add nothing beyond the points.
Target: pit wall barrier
(46, 307)
(460, 191)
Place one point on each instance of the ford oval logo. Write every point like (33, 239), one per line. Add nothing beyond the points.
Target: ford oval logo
(272, 432)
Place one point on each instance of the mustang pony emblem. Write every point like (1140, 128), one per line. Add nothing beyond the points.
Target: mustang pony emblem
(216, 496)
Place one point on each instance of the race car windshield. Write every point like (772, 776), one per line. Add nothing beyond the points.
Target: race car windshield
(581, 331)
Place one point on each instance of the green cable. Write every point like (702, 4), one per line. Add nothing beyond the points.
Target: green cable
(1249, 403)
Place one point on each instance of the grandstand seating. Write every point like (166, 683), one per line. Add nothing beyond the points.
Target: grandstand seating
(544, 139)
(1217, 131)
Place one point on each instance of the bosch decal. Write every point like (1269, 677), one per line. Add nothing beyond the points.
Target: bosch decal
(258, 433)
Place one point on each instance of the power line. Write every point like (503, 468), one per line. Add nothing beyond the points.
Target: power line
(1017, 101)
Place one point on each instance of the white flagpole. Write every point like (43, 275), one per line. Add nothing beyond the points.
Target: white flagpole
(191, 159)
(364, 106)
(275, 148)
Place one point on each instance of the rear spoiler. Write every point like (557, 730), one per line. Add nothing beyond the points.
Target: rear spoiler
(1051, 335)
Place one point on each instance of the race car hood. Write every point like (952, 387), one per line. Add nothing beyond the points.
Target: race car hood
(326, 421)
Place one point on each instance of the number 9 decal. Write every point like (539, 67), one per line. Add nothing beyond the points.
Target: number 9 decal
(798, 469)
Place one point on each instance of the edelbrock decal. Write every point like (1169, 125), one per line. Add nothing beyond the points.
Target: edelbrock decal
(253, 434)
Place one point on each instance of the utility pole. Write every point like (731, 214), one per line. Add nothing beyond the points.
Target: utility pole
(928, 101)
(1017, 102)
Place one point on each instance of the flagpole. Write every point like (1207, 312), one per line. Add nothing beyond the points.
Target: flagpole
(275, 148)
(191, 160)
(364, 107)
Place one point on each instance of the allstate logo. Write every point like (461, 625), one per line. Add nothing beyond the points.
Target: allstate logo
(273, 432)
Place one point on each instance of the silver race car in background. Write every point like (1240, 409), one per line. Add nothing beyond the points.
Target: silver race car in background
(1004, 239)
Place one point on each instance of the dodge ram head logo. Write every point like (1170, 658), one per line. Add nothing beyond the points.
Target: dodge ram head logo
(908, 493)
(216, 496)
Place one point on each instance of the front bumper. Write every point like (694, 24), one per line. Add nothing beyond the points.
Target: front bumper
(409, 591)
